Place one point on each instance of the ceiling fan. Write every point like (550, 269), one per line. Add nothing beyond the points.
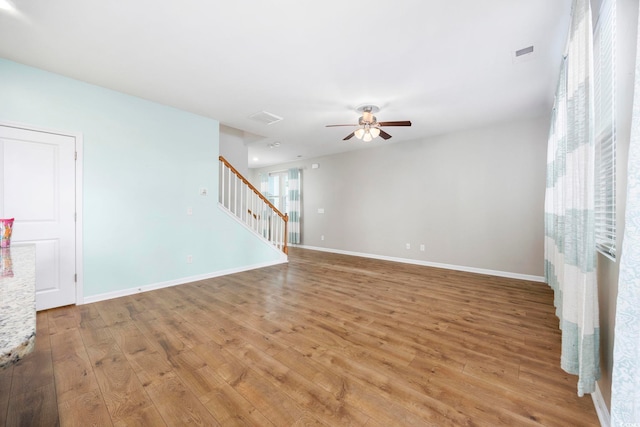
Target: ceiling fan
(370, 126)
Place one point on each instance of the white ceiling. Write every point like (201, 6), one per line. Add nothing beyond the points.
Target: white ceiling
(444, 65)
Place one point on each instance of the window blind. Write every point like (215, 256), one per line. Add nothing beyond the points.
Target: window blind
(605, 129)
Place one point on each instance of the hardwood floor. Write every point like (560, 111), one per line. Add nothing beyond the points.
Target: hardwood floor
(326, 340)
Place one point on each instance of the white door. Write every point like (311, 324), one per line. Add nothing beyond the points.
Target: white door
(37, 184)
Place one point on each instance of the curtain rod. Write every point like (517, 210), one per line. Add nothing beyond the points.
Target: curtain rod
(285, 170)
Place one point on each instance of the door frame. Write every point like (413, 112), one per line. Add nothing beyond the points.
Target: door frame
(78, 197)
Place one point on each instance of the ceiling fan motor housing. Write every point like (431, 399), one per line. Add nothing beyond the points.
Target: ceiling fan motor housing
(367, 118)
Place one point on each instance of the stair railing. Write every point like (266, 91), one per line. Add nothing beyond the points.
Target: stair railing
(245, 202)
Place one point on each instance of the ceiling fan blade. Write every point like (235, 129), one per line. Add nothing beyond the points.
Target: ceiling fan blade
(351, 136)
(398, 123)
(384, 135)
(332, 126)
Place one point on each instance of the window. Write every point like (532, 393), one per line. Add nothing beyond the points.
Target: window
(277, 190)
(605, 129)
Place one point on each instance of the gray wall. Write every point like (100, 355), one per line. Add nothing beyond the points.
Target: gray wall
(474, 199)
(234, 149)
(440, 219)
(627, 20)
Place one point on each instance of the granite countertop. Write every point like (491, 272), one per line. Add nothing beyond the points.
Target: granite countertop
(17, 302)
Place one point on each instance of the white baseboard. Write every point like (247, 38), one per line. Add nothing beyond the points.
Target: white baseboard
(181, 281)
(506, 274)
(601, 408)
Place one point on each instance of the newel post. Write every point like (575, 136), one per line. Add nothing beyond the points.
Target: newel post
(286, 233)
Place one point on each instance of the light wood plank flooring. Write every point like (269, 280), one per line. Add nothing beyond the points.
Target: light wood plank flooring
(325, 340)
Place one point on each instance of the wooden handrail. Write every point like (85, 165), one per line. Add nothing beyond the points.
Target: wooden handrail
(285, 217)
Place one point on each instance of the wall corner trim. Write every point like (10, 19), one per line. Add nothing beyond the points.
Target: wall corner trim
(601, 407)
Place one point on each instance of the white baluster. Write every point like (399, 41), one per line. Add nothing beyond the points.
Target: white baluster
(274, 236)
(253, 213)
(261, 223)
(241, 212)
(222, 169)
(228, 190)
(235, 196)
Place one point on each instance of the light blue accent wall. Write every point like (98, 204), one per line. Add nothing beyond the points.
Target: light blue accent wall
(143, 165)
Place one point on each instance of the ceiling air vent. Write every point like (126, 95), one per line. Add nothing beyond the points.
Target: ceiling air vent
(524, 51)
(265, 117)
(523, 54)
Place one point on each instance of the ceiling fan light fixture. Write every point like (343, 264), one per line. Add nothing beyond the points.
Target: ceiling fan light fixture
(368, 125)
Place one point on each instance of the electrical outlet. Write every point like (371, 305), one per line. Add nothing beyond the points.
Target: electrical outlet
(408, 245)
(203, 191)
(189, 211)
(422, 247)
(189, 259)
(322, 237)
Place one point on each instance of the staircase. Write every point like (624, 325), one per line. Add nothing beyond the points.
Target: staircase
(249, 206)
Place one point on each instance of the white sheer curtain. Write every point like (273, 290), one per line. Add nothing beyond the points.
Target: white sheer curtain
(625, 388)
(570, 250)
(294, 206)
